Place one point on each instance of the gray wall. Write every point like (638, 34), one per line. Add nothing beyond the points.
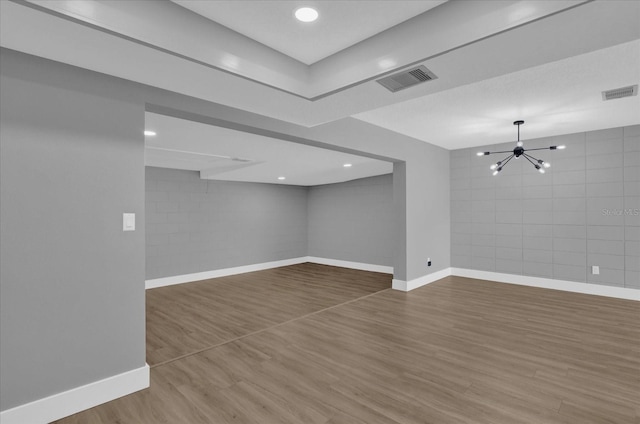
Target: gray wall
(421, 178)
(353, 221)
(196, 225)
(420, 193)
(554, 225)
(71, 282)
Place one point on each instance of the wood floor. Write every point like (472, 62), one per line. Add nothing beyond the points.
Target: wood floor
(188, 318)
(456, 351)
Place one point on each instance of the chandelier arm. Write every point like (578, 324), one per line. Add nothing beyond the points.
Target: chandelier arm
(504, 151)
(527, 158)
(541, 148)
(507, 161)
(531, 157)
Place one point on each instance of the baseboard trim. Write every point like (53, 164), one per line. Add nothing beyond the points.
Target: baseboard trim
(421, 281)
(72, 401)
(548, 283)
(198, 276)
(353, 265)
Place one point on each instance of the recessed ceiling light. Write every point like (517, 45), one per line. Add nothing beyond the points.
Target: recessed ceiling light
(281, 178)
(347, 165)
(149, 133)
(306, 14)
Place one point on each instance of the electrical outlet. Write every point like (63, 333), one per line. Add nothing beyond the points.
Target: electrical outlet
(595, 270)
(428, 261)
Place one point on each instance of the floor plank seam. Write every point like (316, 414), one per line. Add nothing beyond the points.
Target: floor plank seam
(266, 329)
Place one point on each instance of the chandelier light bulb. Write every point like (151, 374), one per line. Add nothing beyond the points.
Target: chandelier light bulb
(541, 170)
(562, 147)
(494, 166)
(546, 164)
(495, 172)
(480, 153)
(519, 143)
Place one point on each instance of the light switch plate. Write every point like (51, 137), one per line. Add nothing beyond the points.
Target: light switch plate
(128, 222)
(595, 270)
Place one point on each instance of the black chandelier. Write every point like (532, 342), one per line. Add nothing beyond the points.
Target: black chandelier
(518, 152)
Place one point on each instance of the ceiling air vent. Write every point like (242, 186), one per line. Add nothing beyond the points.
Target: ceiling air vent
(406, 79)
(619, 93)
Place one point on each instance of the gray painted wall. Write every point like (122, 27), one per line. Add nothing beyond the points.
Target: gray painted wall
(421, 177)
(421, 172)
(353, 221)
(555, 225)
(420, 189)
(196, 225)
(71, 282)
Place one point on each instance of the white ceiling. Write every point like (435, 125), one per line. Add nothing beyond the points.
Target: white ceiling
(340, 24)
(497, 61)
(561, 97)
(182, 144)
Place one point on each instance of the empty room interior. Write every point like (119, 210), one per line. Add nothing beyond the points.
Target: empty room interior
(324, 212)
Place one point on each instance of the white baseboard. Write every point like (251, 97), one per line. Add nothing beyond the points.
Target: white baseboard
(72, 401)
(353, 265)
(198, 276)
(548, 283)
(421, 281)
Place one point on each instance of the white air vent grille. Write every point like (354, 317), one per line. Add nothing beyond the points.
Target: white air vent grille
(406, 79)
(619, 93)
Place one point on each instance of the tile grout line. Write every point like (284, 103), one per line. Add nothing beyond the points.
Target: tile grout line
(168, 361)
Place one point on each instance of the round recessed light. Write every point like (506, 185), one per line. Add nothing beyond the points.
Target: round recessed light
(347, 165)
(149, 133)
(281, 178)
(306, 14)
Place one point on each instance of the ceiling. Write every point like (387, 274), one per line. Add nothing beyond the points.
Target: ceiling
(229, 155)
(341, 24)
(561, 97)
(496, 61)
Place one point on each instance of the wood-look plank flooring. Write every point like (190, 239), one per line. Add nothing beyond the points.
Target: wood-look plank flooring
(456, 351)
(188, 318)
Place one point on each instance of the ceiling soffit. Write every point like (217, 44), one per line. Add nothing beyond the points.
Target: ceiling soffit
(341, 24)
(588, 27)
(180, 32)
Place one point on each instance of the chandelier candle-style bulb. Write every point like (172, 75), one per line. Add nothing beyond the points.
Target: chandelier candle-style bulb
(543, 163)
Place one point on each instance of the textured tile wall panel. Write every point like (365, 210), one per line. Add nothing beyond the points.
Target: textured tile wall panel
(580, 213)
(195, 225)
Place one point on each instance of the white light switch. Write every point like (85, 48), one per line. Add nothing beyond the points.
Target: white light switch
(128, 222)
(595, 270)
